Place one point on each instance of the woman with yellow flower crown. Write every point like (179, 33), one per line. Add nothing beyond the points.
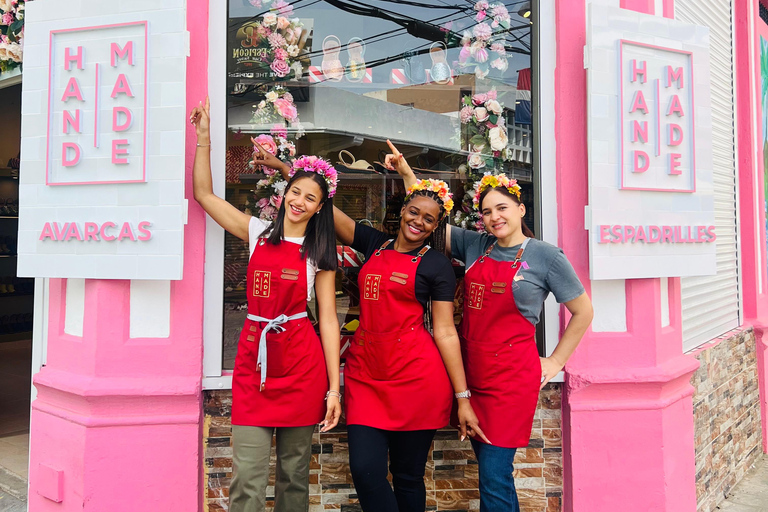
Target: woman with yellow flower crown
(398, 377)
(509, 274)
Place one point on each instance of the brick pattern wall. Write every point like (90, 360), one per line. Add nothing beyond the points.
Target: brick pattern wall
(726, 411)
(451, 479)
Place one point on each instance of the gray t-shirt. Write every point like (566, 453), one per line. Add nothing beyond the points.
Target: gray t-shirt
(544, 268)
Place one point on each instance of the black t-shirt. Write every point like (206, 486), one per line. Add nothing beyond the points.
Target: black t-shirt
(435, 279)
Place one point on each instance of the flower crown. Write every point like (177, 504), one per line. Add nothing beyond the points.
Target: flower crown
(439, 187)
(494, 181)
(319, 166)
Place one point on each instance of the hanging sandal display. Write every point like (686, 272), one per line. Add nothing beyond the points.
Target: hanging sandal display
(349, 161)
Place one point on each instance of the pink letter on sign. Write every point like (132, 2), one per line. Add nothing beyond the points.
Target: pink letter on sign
(70, 122)
(638, 70)
(646, 162)
(73, 90)
(639, 103)
(119, 152)
(675, 76)
(674, 163)
(146, 234)
(65, 151)
(639, 131)
(115, 52)
(675, 107)
(68, 58)
(103, 231)
(121, 86)
(116, 125)
(47, 232)
(91, 231)
(675, 134)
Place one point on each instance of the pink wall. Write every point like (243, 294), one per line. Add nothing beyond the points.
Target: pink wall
(628, 413)
(117, 422)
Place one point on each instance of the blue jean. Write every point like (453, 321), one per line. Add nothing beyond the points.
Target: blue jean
(497, 485)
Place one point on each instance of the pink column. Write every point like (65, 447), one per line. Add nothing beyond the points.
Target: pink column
(116, 425)
(628, 412)
(751, 185)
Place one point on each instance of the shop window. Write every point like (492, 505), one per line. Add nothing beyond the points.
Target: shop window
(337, 79)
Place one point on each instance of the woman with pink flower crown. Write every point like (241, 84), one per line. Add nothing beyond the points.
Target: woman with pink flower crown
(509, 275)
(286, 380)
(399, 378)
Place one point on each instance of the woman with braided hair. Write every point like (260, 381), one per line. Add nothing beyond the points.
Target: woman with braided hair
(398, 377)
(509, 275)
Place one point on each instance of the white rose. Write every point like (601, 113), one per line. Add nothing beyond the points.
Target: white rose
(476, 161)
(272, 96)
(262, 104)
(270, 19)
(481, 114)
(494, 106)
(292, 50)
(5, 5)
(498, 138)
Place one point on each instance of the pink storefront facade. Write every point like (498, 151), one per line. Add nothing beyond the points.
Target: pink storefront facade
(640, 421)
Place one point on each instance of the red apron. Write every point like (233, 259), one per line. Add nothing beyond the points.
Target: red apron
(280, 377)
(395, 378)
(498, 346)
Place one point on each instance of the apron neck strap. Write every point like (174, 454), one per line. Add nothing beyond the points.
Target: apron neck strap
(518, 256)
(383, 246)
(421, 253)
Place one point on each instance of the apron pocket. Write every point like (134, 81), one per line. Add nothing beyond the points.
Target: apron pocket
(487, 369)
(386, 360)
(278, 352)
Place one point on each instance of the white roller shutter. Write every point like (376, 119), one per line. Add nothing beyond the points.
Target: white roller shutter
(711, 303)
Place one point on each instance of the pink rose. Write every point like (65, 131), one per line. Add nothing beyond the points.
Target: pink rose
(480, 16)
(286, 109)
(288, 96)
(479, 99)
(281, 69)
(481, 114)
(276, 201)
(279, 130)
(281, 54)
(7, 18)
(466, 114)
(283, 23)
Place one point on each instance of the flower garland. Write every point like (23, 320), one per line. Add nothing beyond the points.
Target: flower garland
(11, 34)
(493, 181)
(275, 38)
(277, 106)
(439, 187)
(320, 166)
(485, 133)
(484, 47)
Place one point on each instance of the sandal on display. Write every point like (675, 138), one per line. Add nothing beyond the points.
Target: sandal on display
(352, 163)
(413, 68)
(332, 68)
(356, 63)
(440, 70)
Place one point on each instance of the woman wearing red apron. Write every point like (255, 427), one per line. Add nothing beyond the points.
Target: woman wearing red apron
(509, 275)
(399, 378)
(286, 380)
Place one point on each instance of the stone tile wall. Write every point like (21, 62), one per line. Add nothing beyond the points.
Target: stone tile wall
(451, 470)
(726, 411)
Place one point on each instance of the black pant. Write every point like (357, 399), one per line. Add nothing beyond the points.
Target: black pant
(408, 451)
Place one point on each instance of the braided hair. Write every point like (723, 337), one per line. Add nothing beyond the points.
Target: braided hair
(436, 239)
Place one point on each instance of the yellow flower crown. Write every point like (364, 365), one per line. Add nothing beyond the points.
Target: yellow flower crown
(494, 181)
(439, 187)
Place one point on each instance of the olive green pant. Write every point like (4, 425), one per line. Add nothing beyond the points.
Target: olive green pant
(251, 450)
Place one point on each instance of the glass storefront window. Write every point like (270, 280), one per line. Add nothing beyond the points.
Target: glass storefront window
(448, 82)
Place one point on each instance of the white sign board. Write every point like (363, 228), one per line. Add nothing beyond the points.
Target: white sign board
(651, 197)
(103, 133)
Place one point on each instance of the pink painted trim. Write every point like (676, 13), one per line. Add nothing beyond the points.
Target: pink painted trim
(644, 6)
(658, 121)
(50, 92)
(623, 186)
(96, 111)
(669, 9)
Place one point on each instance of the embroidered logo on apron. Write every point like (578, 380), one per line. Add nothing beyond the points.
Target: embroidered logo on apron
(476, 295)
(261, 283)
(372, 282)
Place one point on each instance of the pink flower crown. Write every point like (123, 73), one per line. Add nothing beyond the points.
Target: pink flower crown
(319, 166)
(494, 181)
(439, 187)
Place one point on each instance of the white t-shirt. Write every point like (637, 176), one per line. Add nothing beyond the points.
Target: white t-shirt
(257, 226)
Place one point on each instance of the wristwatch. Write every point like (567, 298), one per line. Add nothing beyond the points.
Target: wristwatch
(463, 394)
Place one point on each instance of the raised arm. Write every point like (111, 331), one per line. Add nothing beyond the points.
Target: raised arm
(225, 214)
(394, 161)
(343, 224)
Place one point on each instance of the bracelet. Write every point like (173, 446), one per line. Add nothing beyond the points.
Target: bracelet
(203, 145)
(333, 393)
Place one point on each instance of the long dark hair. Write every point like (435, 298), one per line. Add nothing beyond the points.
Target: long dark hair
(436, 239)
(319, 237)
(526, 230)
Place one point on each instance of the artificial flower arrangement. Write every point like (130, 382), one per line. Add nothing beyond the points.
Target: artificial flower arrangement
(275, 39)
(483, 47)
(277, 106)
(11, 34)
(439, 187)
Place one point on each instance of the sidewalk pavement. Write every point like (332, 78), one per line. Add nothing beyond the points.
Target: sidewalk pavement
(751, 494)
